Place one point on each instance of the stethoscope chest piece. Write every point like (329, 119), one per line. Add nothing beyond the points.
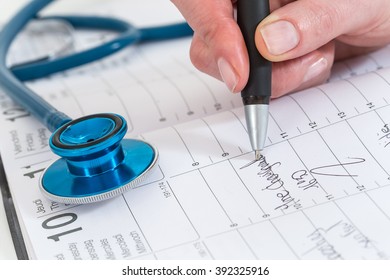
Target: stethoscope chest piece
(97, 163)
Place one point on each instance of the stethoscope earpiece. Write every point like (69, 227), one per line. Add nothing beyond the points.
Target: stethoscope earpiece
(97, 163)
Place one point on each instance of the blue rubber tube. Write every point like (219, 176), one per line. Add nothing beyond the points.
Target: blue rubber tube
(36, 105)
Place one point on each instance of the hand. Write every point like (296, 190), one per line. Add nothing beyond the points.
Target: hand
(303, 38)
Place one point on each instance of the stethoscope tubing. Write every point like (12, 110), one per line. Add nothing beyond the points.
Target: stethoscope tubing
(96, 162)
(42, 110)
(129, 35)
(11, 79)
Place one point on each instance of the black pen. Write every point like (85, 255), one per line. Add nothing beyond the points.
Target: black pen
(256, 94)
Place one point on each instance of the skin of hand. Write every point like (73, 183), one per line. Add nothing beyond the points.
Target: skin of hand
(302, 38)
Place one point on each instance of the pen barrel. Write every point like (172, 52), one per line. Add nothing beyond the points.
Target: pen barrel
(249, 14)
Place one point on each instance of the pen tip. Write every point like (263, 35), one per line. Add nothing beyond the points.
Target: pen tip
(257, 155)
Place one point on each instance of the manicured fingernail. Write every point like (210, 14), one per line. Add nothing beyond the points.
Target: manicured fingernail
(316, 69)
(280, 37)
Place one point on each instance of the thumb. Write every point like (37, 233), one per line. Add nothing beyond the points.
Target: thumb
(301, 27)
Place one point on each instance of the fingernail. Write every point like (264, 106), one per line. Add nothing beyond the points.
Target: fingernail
(316, 69)
(228, 74)
(280, 37)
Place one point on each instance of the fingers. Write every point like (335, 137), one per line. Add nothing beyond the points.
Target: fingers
(298, 35)
(218, 48)
(287, 76)
(302, 72)
(301, 27)
(344, 51)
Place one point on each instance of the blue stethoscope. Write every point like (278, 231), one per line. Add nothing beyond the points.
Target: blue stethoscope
(96, 162)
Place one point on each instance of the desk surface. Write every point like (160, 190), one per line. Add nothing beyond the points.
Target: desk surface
(8, 8)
